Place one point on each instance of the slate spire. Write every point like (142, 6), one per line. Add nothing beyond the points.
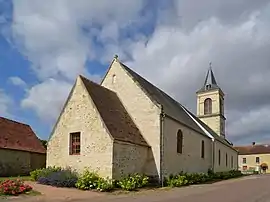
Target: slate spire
(210, 82)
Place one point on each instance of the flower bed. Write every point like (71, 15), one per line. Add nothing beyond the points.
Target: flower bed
(14, 187)
(88, 180)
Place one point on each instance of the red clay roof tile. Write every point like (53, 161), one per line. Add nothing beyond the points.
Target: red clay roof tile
(19, 136)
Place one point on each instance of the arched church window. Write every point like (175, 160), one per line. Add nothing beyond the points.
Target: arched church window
(226, 160)
(202, 149)
(179, 142)
(208, 106)
(219, 157)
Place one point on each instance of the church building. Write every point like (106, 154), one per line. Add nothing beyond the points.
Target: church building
(127, 125)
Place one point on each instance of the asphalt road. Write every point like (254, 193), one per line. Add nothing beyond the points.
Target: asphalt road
(248, 189)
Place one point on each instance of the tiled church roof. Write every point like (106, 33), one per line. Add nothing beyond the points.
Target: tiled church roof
(19, 136)
(114, 114)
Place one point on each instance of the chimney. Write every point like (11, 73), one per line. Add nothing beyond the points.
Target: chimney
(253, 143)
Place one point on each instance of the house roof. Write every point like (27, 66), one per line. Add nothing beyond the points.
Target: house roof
(114, 114)
(253, 149)
(173, 108)
(19, 136)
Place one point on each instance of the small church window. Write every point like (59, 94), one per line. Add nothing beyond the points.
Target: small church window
(202, 149)
(226, 159)
(75, 143)
(219, 157)
(179, 142)
(232, 161)
(113, 78)
(208, 106)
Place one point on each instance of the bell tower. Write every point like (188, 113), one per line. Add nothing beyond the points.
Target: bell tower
(210, 104)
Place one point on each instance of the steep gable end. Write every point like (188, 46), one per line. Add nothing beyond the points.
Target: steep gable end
(19, 136)
(170, 106)
(173, 108)
(114, 114)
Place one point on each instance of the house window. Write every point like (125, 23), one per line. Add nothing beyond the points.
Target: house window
(179, 142)
(226, 159)
(202, 150)
(232, 161)
(244, 167)
(244, 160)
(75, 143)
(208, 106)
(219, 157)
(257, 159)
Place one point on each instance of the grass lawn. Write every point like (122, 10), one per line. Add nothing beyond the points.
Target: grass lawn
(23, 178)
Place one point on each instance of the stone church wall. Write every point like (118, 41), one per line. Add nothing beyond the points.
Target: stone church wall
(190, 159)
(129, 159)
(80, 115)
(142, 110)
(232, 158)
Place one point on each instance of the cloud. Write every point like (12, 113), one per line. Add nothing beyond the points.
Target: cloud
(46, 98)
(176, 59)
(17, 81)
(58, 38)
(171, 45)
(5, 103)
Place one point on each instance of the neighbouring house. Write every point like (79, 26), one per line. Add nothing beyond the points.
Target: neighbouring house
(127, 125)
(255, 157)
(20, 149)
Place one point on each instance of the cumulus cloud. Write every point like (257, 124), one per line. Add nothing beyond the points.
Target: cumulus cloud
(5, 103)
(17, 81)
(172, 51)
(176, 59)
(47, 98)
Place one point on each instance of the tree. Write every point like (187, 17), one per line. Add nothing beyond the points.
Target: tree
(44, 143)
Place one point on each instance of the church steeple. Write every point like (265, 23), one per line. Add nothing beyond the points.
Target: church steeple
(210, 104)
(210, 82)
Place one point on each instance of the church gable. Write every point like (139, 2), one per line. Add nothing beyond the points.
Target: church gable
(80, 135)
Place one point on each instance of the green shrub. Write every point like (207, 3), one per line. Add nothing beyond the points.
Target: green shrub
(44, 172)
(177, 181)
(105, 184)
(133, 182)
(88, 180)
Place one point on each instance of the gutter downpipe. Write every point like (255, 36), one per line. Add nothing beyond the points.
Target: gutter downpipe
(162, 116)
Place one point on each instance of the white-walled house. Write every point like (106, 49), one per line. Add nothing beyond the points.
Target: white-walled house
(127, 125)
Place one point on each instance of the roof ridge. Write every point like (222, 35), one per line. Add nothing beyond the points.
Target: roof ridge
(96, 84)
(17, 122)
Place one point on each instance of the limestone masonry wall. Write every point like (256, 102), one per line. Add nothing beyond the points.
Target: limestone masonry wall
(80, 115)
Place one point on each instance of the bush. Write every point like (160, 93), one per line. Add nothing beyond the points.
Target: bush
(44, 172)
(62, 178)
(105, 184)
(177, 181)
(91, 180)
(88, 180)
(14, 187)
(133, 182)
(183, 179)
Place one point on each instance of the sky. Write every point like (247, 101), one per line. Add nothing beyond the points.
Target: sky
(45, 45)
